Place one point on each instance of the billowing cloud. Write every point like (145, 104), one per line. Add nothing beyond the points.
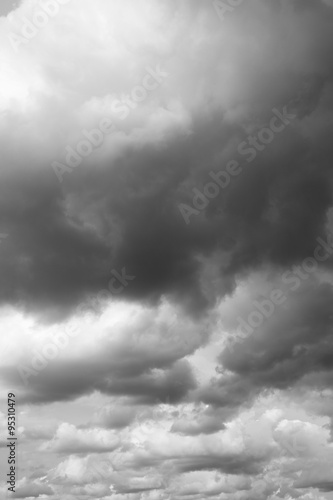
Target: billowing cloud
(166, 248)
(68, 439)
(120, 208)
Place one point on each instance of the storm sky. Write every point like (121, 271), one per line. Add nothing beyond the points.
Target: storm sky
(166, 248)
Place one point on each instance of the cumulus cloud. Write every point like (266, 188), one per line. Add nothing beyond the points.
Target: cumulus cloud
(68, 439)
(70, 236)
(115, 350)
(166, 247)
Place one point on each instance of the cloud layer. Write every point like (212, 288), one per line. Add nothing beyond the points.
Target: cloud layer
(166, 248)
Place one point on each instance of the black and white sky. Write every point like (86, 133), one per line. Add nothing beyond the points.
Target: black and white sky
(166, 248)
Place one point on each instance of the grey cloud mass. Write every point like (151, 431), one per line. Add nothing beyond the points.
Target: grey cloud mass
(166, 248)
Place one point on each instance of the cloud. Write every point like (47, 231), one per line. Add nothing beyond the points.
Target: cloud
(53, 364)
(33, 489)
(154, 109)
(199, 422)
(114, 417)
(290, 346)
(81, 470)
(68, 439)
(64, 241)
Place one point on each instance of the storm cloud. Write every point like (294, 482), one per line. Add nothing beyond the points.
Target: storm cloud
(166, 247)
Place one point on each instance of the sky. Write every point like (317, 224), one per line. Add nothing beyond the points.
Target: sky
(166, 249)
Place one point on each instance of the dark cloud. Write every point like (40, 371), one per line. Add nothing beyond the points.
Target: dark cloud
(227, 464)
(62, 242)
(65, 381)
(138, 231)
(295, 341)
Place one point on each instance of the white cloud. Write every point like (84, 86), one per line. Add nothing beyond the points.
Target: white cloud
(69, 439)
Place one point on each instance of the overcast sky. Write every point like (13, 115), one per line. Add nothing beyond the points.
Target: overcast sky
(166, 248)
